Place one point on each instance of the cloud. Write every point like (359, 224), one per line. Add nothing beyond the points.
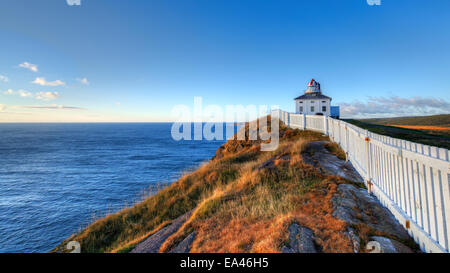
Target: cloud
(3, 78)
(83, 81)
(9, 92)
(39, 95)
(2, 107)
(20, 92)
(43, 82)
(31, 67)
(395, 106)
(25, 94)
(47, 95)
(52, 107)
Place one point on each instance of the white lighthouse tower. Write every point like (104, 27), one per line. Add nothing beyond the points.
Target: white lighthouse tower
(314, 102)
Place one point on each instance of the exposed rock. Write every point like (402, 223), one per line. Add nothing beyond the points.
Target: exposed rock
(185, 245)
(386, 245)
(301, 240)
(153, 243)
(270, 163)
(317, 155)
(356, 206)
(356, 241)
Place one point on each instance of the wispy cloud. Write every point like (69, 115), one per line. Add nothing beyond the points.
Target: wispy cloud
(395, 106)
(51, 107)
(83, 81)
(2, 107)
(40, 95)
(29, 66)
(9, 92)
(3, 78)
(43, 82)
(20, 92)
(47, 95)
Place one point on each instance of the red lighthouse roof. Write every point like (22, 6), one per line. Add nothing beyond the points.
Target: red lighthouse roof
(314, 83)
(313, 92)
(313, 86)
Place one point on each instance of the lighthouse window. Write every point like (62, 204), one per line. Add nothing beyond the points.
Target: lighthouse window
(301, 109)
(324, 108)
(324, 101)
(312, 108)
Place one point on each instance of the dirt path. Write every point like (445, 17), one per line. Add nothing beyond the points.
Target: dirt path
(153, 243)
(317, 155)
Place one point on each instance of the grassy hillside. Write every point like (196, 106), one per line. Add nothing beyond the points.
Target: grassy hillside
(243, 200)
(438, 139)
(436, 120)
(434, 125)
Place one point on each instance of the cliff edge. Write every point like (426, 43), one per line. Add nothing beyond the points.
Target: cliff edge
(301, 198)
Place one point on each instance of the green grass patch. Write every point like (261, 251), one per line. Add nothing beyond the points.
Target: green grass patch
(413, 135)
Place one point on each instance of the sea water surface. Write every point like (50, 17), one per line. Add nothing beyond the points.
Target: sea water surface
(56, 178)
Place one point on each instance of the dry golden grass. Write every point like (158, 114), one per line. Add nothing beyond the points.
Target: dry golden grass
(423, 127)
(252, 214)
(244, 201)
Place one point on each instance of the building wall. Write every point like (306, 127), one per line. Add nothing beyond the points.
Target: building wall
(335, 112)
(316, 103)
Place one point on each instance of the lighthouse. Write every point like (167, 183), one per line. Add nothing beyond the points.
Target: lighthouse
(314, 102)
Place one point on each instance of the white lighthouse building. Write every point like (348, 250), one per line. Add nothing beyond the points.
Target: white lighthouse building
(313, 102)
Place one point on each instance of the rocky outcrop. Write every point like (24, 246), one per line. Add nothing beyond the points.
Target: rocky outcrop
(355, 206)
(301, 240)
(386, 245)
(270, 163)
(185, 245)
(317, 155)
(354, 238)
(153, 243)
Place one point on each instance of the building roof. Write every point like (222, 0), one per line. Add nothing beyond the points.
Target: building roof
(313, 92)
(312, 96)
(313, 86)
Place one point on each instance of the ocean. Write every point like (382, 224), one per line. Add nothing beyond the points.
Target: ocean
(57, 178)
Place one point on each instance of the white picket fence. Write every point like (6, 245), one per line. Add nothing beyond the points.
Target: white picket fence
(410, 179)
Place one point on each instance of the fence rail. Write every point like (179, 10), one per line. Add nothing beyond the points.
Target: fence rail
(410, 179)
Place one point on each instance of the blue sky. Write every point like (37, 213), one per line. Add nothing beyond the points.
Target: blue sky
(117, 60)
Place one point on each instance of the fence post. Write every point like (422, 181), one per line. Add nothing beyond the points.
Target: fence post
(346, 144)
(368, 175)
(304, 121)
(325, 125)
